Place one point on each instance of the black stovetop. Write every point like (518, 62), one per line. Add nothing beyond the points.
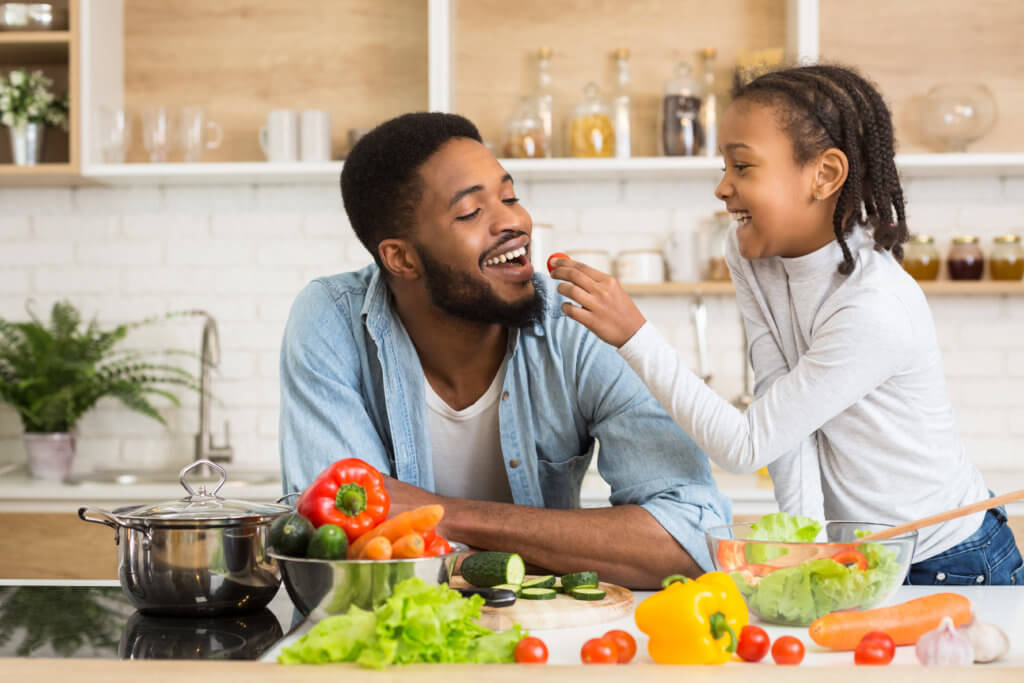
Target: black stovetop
(97, 621)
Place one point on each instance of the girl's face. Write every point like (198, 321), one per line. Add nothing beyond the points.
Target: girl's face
(770, 196)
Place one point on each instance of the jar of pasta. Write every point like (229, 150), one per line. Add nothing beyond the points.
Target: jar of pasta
(921, 259)
(591, 133)
(524, 133)
(965, 261)
(1006, 262)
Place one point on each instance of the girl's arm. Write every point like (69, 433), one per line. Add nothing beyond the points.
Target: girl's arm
(796, 476)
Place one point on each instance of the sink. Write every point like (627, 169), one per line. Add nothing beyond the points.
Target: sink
(235, 477)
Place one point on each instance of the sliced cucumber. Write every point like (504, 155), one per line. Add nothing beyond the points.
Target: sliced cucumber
(514, 587)
(540, 582)
(538, 594)
(577, 579)
(587, 593)
(491, 568)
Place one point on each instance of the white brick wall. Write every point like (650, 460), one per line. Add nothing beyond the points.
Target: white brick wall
(243, 252)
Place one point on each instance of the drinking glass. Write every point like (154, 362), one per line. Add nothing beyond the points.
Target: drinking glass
(115, 134)
(198, 133)
(158, 133)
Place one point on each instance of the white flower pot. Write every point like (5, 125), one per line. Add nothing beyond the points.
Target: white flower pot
(27, 143)
(50, 455)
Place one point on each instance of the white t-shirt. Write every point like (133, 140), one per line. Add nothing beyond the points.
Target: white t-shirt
(852, 416)
(466, 446)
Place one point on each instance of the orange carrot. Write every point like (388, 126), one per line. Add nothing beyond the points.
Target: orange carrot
(905, 622)
(378, 549)
(417, 520)
(408, 546)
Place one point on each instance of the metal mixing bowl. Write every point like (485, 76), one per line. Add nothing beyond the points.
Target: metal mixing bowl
(320, 588)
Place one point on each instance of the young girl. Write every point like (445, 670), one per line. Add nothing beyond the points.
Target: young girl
(852, 415)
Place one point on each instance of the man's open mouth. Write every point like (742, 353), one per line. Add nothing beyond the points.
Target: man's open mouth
(512, 257)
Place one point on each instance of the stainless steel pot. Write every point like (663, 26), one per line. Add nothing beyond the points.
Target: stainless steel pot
(201, 555)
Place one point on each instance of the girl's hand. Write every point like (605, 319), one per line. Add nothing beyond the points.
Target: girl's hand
(604, 308)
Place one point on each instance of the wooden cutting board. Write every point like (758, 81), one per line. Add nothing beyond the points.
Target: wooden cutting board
(562, 612)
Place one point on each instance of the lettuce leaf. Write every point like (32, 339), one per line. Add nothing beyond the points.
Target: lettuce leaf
(418, 623)
(779, 527)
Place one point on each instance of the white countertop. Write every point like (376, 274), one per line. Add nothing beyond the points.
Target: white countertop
(750, 494)
(999, 605)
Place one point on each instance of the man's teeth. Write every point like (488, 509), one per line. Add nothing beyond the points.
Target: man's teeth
(506, 257)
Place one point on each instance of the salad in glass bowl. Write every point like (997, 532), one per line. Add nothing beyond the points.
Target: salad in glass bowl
(841, 573)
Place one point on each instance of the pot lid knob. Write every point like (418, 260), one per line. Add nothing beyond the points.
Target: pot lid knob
(202, 487)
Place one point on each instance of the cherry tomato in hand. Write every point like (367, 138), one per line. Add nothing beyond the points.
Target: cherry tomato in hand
(788, 650)
(599, 651)
(875, 648)
(531, 650)
(557, 254)
(624, 643)
(754, 643)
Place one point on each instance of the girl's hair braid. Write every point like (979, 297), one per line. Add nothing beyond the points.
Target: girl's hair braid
(827, 106)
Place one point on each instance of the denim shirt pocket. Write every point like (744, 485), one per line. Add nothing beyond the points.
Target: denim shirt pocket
(560, 480)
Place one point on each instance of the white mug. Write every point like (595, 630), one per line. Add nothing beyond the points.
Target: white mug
(196, 131)
(315, 135)
(279, 139)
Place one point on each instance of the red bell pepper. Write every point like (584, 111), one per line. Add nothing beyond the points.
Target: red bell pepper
(851, 556)
(351, 494)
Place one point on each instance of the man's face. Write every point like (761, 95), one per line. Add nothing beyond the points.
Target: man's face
(473, 238)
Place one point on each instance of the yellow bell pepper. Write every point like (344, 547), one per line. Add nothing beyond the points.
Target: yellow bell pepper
(693, 621)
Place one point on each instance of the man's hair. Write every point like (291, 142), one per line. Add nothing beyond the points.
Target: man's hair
(380, 181)
(827, 106)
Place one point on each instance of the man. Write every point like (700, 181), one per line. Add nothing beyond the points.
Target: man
(450, 367)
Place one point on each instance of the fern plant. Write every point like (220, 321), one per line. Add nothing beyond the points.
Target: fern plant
(53, 373)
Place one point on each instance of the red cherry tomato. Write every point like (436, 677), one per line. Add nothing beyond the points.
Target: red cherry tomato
(557, 254)
(531, 650)
(599, 651)
(875, 648)
(852, 557)
(624, 643)
(788, 650)
(754, 643)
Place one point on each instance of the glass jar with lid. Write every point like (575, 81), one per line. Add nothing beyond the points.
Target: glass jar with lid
(921, 258)
(718, 239)
(965, 260)
(1006, 262)
(525, 137)
(591, 133)
(681, 131)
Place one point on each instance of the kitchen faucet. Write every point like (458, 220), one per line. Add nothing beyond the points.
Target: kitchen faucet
(209, 358)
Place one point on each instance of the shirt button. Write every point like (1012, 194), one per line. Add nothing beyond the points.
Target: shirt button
(504, 396)
(513, 462)
(941, 576)
(980, 579)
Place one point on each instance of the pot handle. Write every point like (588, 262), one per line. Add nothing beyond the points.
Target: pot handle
(98, 516)
(287, 496)
(202, 488)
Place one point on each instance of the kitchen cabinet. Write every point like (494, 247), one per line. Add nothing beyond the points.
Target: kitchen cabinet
(372, 60)
(55, 546)
(56, 54)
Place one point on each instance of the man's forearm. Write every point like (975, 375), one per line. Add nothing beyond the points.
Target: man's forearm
(624, 544)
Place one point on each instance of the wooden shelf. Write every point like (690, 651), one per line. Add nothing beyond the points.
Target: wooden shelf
(40, 175)
(936, 288)
(34, 47)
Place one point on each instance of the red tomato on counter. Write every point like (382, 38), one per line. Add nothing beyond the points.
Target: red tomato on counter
(754, 643)
(599, 651)
(876, 648)
(624, 643)
(531, 650)
(788, 650)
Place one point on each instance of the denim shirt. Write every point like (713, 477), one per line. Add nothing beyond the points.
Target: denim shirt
(352, 386)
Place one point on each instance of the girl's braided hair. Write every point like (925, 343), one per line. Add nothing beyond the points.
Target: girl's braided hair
(826, 106)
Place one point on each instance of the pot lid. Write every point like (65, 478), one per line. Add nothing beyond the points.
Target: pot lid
(202, 508)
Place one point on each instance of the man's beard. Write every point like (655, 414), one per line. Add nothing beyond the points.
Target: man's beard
(462, 296)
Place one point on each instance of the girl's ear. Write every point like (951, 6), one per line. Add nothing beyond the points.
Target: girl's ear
(833, 168)
(399, 259)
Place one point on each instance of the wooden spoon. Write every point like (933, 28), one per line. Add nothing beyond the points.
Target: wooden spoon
(800, 554)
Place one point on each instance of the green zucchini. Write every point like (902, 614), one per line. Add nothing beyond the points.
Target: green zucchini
(537, 594)
(540, 582)
(329, 542)
(587, 593)
(491, 568)
(577, 579)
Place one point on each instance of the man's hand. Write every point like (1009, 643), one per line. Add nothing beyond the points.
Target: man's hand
(604, 307)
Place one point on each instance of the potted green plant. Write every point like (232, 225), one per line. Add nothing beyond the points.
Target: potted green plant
(27, 106)
(53, 373)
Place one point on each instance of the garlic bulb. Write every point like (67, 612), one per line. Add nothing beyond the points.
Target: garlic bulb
(945, 646)
(987, 640)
